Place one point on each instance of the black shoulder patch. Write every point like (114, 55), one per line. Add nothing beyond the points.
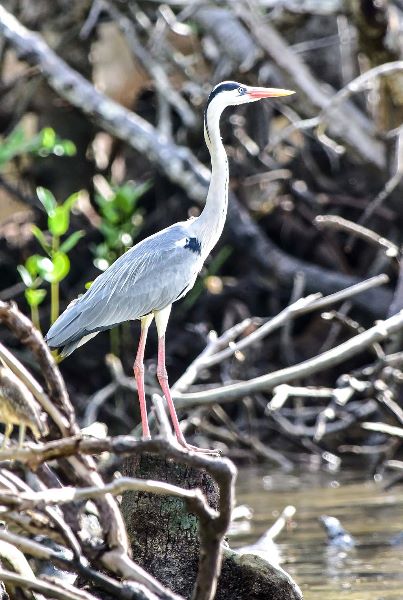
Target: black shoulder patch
(193, 244)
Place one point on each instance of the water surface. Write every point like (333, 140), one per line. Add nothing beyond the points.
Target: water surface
(372, 570)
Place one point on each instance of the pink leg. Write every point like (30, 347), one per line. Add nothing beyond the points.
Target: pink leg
(163, 381)
(138, 369)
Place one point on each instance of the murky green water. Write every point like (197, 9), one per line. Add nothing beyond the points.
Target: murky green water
(372, 570)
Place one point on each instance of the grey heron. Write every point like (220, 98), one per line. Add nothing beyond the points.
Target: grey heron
(148, 278)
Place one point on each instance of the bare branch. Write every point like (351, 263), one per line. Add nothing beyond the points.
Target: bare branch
(48, 589)
(213, 346)
(24, 330)
(336, 222)
(160, 78)
(84, 467)
(35, 388)
(348, 124)
(332, 357)
(383, 428)
(57, 496)
(210, 356)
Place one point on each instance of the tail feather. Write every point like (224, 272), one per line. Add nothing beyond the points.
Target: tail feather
(68, 333)
(71, 346)
(66, 329)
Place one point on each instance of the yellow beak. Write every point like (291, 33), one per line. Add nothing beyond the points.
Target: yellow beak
(260, 92)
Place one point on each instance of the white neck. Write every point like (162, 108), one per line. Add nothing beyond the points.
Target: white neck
(209, 225)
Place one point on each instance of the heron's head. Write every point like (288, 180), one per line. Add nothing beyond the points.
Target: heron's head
(231, 93)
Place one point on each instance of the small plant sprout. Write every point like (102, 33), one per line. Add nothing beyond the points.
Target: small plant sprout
(55, 266)
(43, 144)
(121, 219)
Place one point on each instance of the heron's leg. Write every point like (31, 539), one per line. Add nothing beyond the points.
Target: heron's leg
(138, 369)
(21, 435)
(7, 434)
(161, 320)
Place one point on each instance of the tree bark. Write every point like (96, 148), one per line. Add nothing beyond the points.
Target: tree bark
(164, 537)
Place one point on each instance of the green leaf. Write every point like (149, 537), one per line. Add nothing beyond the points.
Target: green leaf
(40, 236)
(47, 199)
(111, 234)
(59, 221)
(71, 200)
(127, 195)
(140, 189)
(71, 241)
(69, 147)
(13, 145)
(16, 138)
(38, 265)
(88, 285)
(48, 138)
(110, 213)
(124, 199)
(25, 275)
(35, 297)
(100, 200)
(61, 267)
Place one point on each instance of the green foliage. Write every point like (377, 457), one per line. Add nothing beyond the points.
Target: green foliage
(71, 241)
(40, 236)
(58, 215)
(35, 297)
(42, 144)
(121, 221)
(55, 266)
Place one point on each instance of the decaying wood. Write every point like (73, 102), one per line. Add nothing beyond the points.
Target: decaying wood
(346, 124)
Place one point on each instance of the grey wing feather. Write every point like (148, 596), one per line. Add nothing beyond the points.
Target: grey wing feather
(148, 277)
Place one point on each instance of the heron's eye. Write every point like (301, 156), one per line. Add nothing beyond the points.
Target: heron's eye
(241, 90)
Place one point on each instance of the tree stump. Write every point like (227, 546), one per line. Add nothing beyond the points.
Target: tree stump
(164, 537)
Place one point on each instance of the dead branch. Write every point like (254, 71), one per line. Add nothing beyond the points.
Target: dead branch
(212, 526)
(48, 589)
(35, 388)
(332, 357)
(336, 222)
(349, 125)
(23, 329)
(212, 354)
(84, 469)
(160, 78)
(27, 500)
(383, 428)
